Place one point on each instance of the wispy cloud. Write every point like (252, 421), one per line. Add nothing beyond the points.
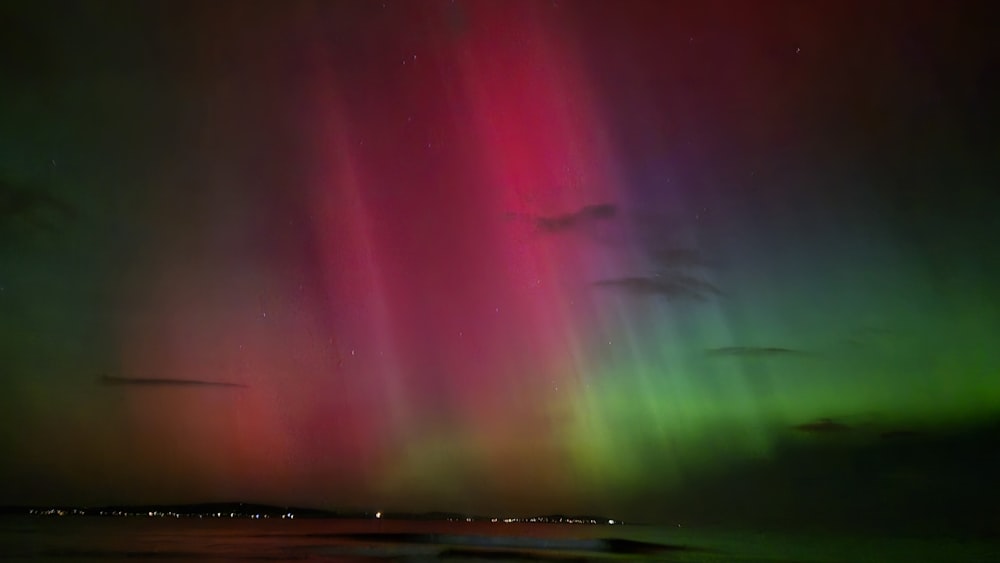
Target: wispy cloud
(672, 287)
(901, 433)
(164, 382)
(822, 426)
(568, 221)
(31, 206)
(752, 351)
(676, 257)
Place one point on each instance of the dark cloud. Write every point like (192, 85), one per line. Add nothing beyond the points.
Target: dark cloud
(674, 257)
(751, 351)
(164, 382)
(586, 215)
(26, 206)
(672, 287)
(822, 426)
(900, 434)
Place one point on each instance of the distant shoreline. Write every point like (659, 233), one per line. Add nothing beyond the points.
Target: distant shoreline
(264, 511)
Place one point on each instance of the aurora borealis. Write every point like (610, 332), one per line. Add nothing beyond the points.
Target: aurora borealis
(488, 256)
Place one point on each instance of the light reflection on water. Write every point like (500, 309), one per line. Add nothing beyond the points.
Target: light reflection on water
(85, 539)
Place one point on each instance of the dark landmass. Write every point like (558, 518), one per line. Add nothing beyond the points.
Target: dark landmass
(255, 511)
(197, 510)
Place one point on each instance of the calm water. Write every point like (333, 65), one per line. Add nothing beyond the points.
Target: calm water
(79, 539)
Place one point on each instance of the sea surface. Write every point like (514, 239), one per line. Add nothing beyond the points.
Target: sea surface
(85, 539)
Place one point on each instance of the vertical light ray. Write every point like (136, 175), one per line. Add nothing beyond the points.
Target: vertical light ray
(544, 157)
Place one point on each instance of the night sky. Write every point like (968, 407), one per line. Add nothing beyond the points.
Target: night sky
(705, 260)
